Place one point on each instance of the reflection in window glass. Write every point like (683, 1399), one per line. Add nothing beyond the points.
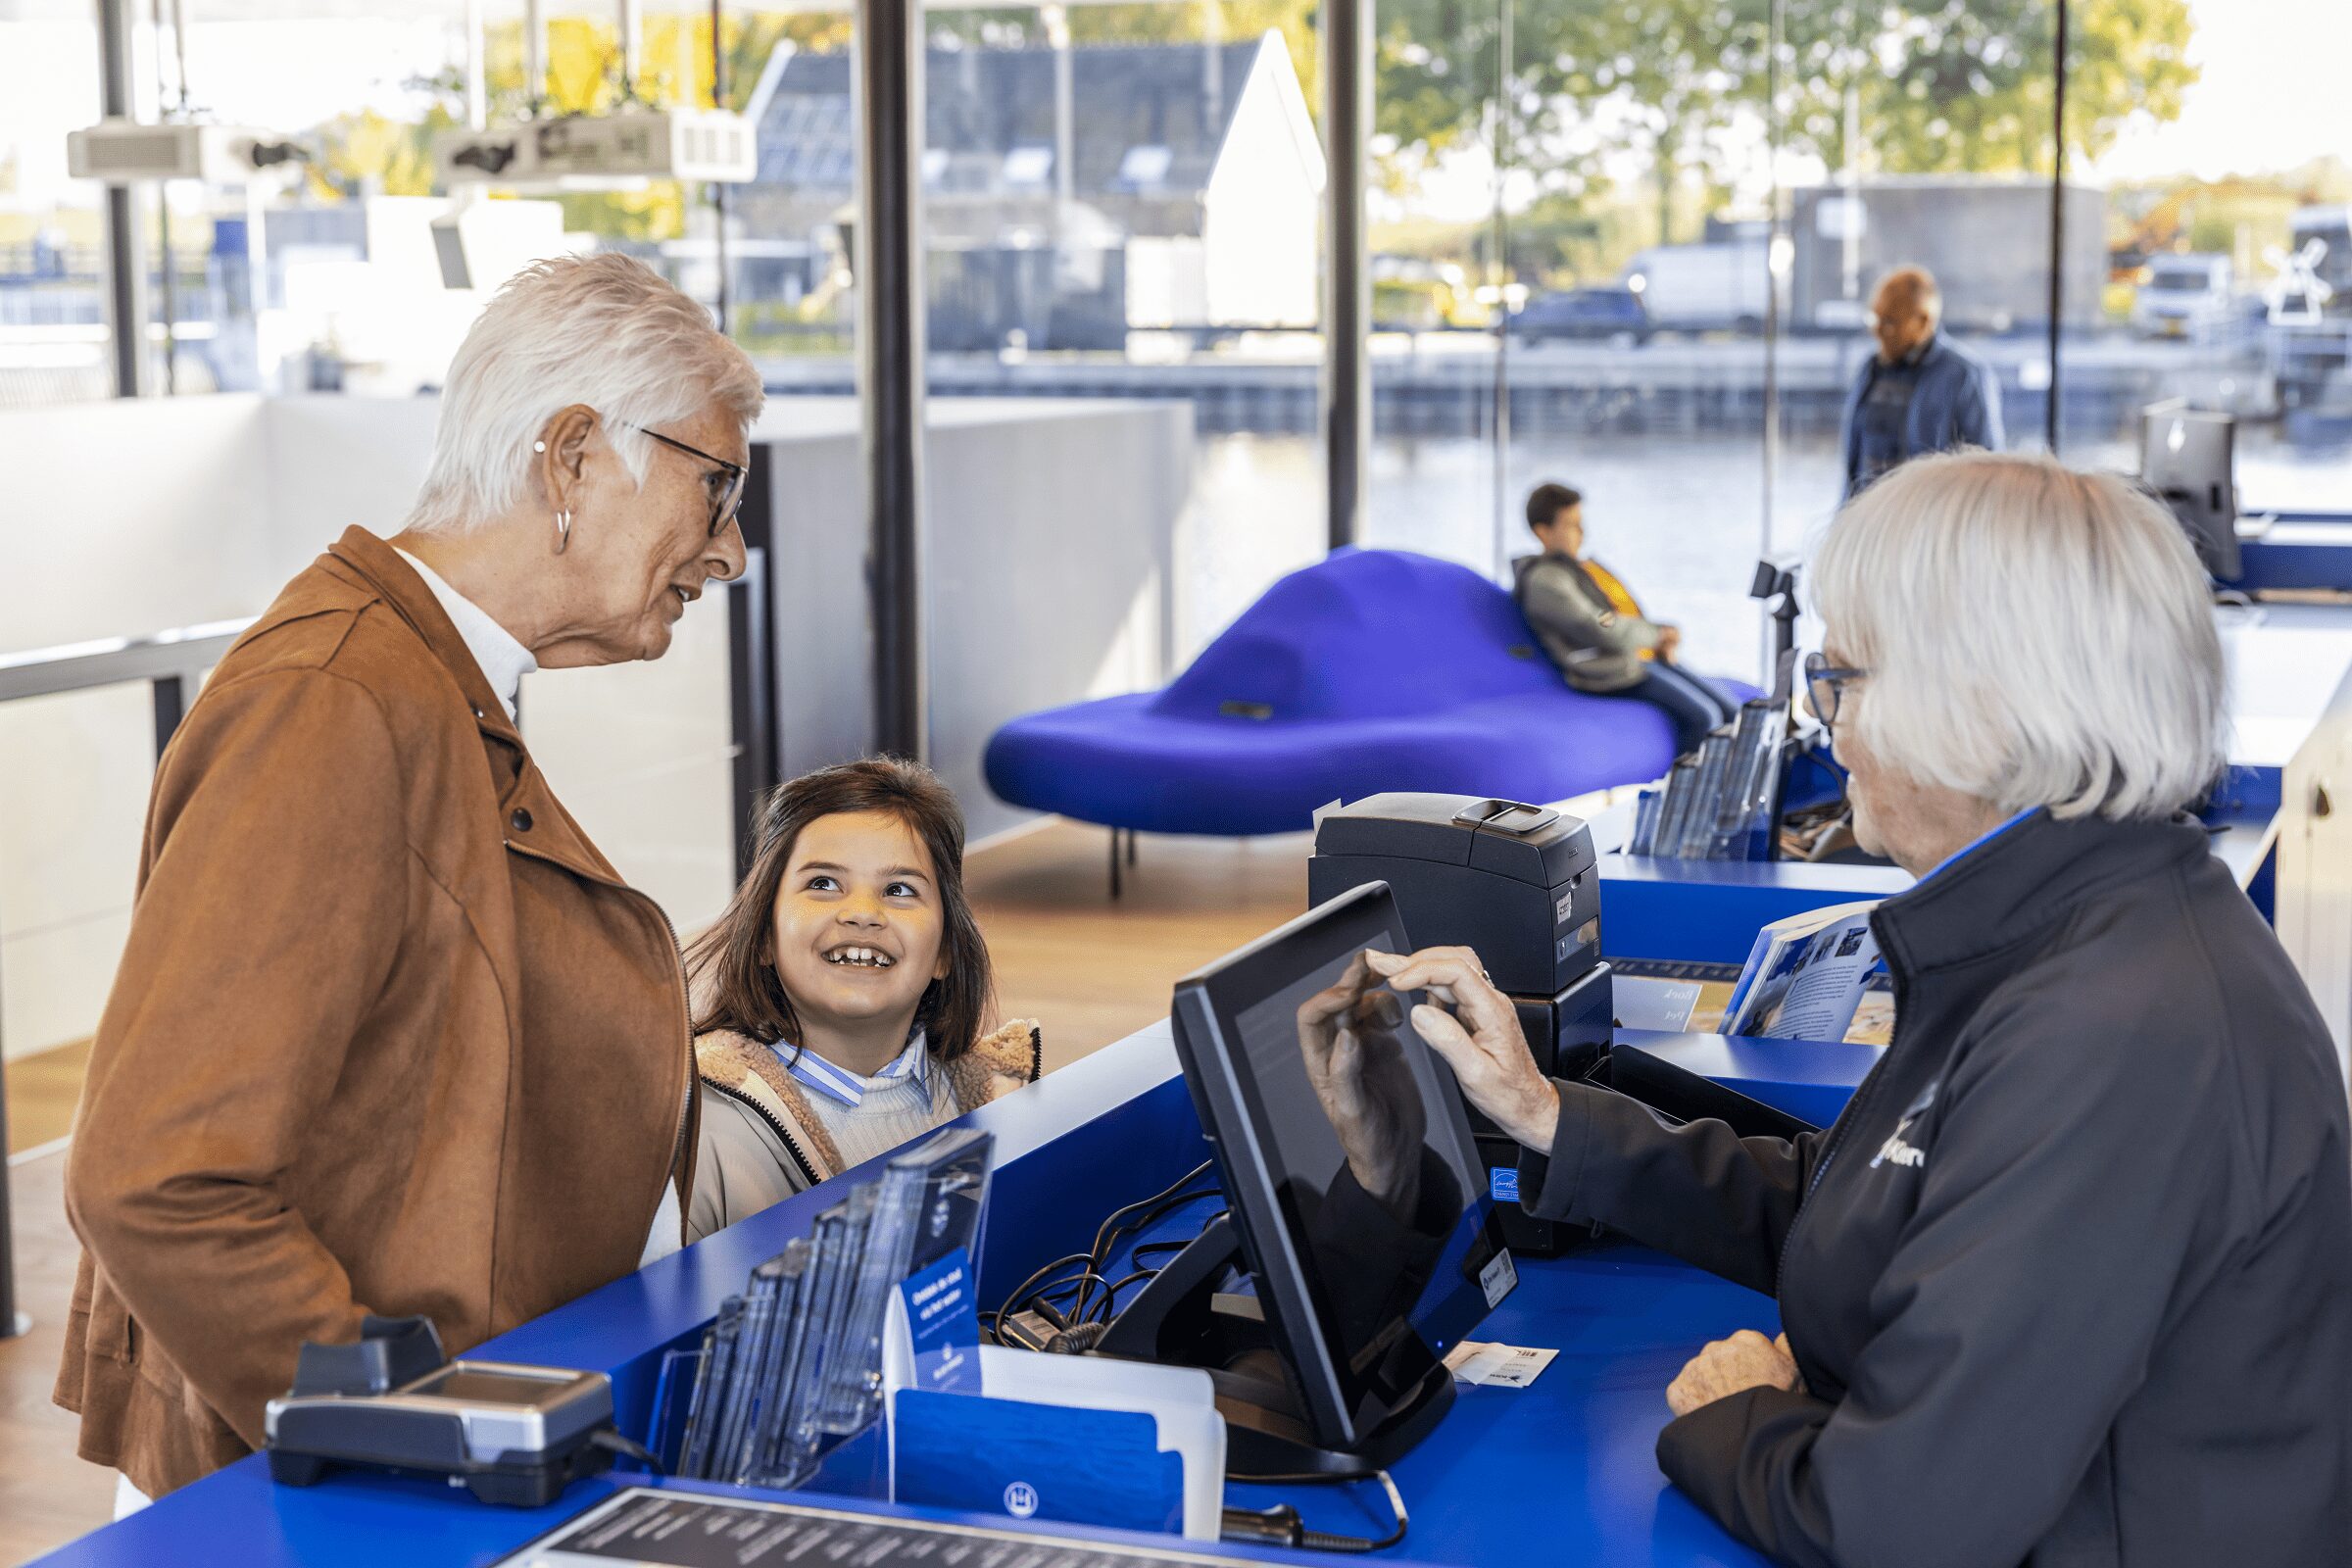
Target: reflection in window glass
(791, 233)
(1124, 201)
(53, 333)
(328, 274)
(2226, 255)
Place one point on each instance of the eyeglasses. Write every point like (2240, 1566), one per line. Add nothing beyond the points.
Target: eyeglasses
(1824, 683)
(725, 487)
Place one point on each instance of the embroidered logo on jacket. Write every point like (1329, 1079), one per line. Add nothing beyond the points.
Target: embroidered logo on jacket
(1899, 1152)
(1894, 1150)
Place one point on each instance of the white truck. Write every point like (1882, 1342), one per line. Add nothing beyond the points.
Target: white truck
(2187, 296)
(1701, 289)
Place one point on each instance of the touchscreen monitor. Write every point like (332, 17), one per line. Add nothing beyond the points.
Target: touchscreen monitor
(2186, 458)
(1347, 1160)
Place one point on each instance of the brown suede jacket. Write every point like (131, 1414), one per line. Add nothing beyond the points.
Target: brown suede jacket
(389, 1035)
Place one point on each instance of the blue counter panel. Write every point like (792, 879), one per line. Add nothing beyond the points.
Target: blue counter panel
(2300, 552)
(1809, 1079)
(1708, 912)
(1566, 1462)
(1563, 1468)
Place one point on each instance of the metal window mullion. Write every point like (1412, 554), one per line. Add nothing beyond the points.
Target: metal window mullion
(126, 292)
(1347, 392)
(2057, 221)
(890, 361)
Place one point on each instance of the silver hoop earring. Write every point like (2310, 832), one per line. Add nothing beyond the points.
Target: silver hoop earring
(563, 531)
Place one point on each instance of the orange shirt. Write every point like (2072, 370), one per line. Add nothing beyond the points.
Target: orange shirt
(1620, 596)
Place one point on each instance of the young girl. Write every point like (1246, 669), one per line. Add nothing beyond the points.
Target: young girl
(842, 993)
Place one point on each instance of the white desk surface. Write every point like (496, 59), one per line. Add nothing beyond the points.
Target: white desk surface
(2286, 664)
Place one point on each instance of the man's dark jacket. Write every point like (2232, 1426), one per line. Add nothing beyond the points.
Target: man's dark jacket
(2070, 1282)
(1956, 403)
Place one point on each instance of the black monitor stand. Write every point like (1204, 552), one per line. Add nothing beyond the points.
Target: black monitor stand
(1180, 1318)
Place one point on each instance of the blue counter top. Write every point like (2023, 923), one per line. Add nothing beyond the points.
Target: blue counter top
(1566, 1463)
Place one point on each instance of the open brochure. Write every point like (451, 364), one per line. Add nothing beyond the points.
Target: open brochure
(1805, 975)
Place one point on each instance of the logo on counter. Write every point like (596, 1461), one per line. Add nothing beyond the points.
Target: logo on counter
(1020, 1500)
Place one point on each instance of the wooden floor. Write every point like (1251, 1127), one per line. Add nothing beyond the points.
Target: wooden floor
(41, 1090)
(1089, 969)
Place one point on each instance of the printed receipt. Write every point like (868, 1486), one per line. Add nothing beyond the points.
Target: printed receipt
(1504, 1366)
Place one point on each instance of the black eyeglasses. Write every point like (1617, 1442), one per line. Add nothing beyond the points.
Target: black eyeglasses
(1824, 682)
(726, 500)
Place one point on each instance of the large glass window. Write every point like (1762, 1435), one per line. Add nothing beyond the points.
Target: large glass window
(1570, 255)
(2216, 131)
(53, 332)
(1637, 201)
(791, 233)
(1913, 136)
(1124, 202)
(1635, 249)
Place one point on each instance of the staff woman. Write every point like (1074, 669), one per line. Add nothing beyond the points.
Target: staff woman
(390, 1036)
(2070, 1282)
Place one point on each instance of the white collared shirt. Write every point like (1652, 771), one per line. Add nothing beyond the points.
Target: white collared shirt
(504, 661)
(868, 1115)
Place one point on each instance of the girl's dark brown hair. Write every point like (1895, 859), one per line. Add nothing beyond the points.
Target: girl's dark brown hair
(732, 961)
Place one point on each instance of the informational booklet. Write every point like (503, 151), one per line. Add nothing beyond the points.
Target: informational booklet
(1805, 975)
(641, 1526)
(1079, 1440)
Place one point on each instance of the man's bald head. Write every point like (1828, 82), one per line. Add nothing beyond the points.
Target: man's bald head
(1903, 313)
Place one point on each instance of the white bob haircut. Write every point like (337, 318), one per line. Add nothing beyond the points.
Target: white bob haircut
(602, 330)
(2033, 636)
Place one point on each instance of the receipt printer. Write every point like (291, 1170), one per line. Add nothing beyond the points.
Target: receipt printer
(1517, 885)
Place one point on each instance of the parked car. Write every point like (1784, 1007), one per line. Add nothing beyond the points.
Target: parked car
(1613, 315)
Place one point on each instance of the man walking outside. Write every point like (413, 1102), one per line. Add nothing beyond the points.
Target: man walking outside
(1921, 392)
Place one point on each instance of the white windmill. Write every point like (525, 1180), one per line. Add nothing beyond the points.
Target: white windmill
(2297, 294)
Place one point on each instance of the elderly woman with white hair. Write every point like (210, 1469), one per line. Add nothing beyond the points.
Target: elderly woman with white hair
(389, 1035)
(2070, 1281)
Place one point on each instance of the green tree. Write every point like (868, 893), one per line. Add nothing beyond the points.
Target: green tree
(1930, 86)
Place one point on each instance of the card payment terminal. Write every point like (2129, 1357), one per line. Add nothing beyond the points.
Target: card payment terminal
(508, 1434)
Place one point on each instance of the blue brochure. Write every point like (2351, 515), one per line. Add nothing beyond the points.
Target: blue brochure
(1073, 1439)
(942, 1326)
(1035, 1461)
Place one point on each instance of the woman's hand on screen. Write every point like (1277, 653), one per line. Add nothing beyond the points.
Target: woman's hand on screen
(1476, 1029)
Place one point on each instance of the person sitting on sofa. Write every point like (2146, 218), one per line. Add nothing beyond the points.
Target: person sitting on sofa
(1589, 626)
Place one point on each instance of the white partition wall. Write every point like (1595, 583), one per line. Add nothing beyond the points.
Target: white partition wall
(1049, 533)
(73, 774)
